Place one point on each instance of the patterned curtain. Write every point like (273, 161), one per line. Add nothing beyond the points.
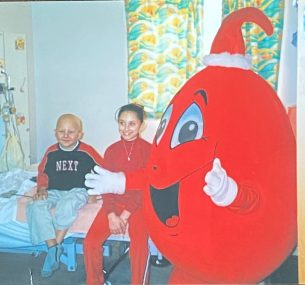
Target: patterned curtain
(165, 48)
(265, 51)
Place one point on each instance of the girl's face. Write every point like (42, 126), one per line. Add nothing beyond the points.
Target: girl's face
(129, 125)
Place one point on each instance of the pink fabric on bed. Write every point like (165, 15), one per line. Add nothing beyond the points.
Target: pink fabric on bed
(85, 217)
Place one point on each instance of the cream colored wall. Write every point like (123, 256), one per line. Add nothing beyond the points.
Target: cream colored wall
(80, 67)
(77, 62)
(18, 16)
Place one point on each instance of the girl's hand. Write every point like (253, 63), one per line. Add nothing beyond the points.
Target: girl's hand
(116, 224)
(125, 216)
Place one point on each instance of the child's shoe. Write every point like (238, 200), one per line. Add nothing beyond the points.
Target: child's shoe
(51, 262)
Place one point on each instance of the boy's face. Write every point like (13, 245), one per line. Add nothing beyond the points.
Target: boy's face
(68, 132)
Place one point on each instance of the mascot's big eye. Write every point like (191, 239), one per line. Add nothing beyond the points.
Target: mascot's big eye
(163, 124)
(189, 127)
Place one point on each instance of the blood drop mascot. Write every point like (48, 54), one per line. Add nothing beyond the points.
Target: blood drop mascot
(220, 185)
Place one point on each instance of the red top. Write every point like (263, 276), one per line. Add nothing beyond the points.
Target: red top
(116, 159)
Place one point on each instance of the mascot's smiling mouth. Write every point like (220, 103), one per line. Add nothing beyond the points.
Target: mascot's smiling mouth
(165, 203)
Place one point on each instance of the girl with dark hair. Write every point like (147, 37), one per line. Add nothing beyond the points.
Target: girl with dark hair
(121, 212)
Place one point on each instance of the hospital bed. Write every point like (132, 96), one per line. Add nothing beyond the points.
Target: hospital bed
(14, 232)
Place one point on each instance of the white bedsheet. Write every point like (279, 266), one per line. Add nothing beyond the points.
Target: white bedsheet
(13, 180)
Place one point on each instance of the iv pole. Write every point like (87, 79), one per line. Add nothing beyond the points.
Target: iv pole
(12, 135)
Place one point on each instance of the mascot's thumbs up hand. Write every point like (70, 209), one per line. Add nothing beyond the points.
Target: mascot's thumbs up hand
(221, 188)
(104, 181)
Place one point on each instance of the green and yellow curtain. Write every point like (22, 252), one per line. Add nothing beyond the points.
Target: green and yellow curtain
(265, 50)
(165, 48)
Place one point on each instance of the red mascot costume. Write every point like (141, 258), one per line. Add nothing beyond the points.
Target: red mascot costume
(221, 180)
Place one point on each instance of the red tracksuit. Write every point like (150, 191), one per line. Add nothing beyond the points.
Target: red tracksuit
(116, 159)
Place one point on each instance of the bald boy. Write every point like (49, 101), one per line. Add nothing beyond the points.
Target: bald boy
(60, 185)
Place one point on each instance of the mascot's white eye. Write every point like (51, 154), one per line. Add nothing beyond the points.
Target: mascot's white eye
(163, 124)
(189, 127)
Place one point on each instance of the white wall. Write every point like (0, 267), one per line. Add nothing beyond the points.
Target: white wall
(77, 62)
(211, 23)
(80, 67)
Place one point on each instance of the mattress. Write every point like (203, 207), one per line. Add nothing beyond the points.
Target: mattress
(14, 231)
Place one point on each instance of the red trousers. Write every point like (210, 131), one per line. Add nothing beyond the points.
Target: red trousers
(97, 235)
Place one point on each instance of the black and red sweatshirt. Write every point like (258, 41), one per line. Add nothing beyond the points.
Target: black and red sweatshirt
(63, 170)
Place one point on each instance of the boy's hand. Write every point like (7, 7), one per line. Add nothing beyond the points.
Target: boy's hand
(116, 224)
(94, 198)
(41, 194)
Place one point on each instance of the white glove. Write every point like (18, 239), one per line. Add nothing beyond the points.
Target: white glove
(221, 188)
(104, 181)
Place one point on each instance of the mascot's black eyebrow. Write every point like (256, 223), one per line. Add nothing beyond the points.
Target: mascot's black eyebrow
(203, 94)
